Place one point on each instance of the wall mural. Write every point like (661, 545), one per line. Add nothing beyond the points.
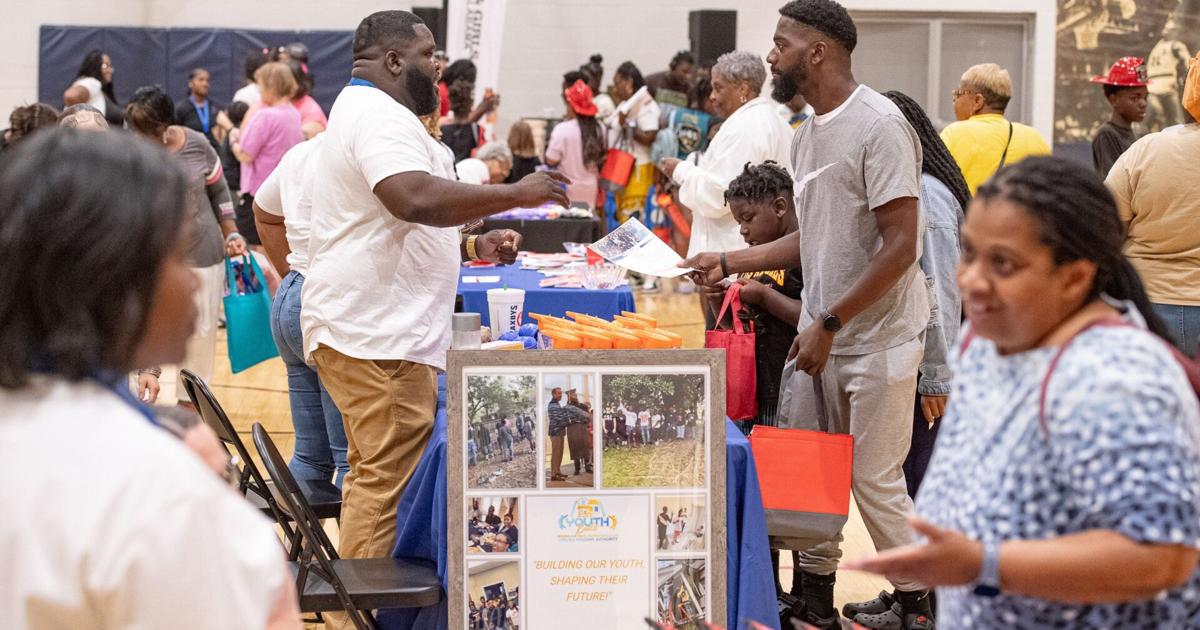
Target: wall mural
(1092, 34)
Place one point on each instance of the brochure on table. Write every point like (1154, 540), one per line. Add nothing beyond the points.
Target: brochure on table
(586, 488)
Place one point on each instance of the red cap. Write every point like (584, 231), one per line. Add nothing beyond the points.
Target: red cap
(1127, 72)
(579, 97)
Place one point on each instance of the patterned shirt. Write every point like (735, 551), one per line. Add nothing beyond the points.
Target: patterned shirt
(1120, 451)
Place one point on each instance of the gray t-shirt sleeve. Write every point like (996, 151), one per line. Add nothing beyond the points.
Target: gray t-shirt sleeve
(891, 161)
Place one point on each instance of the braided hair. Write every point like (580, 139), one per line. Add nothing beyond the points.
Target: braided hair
(935, 157)
(1077, 218)
(760, 182)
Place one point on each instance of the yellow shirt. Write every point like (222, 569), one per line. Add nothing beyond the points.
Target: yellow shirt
(1154, 183)
(978, 143)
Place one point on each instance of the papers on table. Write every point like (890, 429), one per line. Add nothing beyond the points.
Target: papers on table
(636, 248)
(481, 279)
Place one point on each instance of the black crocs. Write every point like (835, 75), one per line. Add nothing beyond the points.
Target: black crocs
(877, 606)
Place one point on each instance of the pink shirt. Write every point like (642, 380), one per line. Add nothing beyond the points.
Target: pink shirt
(268, 135)
(566, 148)
(310, 111)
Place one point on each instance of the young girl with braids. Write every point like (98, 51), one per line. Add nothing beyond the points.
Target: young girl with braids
(1065, 488)
(944, 197)
(761, 201)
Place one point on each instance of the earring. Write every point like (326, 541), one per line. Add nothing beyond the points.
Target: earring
(743, 99)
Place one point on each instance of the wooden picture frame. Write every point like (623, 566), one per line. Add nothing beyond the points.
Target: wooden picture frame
(594, 364)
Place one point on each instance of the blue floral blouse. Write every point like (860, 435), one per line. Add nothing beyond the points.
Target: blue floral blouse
(1120, 451)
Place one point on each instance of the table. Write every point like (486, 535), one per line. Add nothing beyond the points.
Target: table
(546, 236)
(545, 301)
(421, 532)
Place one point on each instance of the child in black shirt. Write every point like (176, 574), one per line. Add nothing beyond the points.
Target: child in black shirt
(761, 201)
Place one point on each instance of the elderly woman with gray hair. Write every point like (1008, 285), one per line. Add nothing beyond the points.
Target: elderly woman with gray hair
(490, 165)
(752, 133)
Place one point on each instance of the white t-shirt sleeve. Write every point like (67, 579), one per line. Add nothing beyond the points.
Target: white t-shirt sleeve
(648, 117)
(391, 144)
(95, 91)
(205, 561)
(269, 197)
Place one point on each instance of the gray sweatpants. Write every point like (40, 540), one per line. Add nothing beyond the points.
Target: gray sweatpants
(870, 397)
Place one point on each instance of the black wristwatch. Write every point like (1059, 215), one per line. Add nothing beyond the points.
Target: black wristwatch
(831, 322)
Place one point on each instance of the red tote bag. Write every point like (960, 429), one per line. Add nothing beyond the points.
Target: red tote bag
(805, 480)
(618, 167)
(741, 386)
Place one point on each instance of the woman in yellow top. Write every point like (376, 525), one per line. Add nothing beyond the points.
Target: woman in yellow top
(983, 140)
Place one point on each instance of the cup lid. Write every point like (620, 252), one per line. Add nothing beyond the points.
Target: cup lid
(465, 322)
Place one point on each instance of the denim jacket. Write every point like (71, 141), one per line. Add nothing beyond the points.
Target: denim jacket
(939, 259)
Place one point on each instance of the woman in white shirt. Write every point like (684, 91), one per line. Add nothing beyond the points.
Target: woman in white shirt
(94, 86)
(122, 526)
(752, 133)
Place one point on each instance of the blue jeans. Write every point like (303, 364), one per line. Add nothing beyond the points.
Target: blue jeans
(320, 437)
(1183, 322)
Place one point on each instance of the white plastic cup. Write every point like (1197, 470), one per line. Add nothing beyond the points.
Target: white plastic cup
(505, 307)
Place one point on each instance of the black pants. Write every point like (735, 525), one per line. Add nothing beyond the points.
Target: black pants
(923, 437)
(245, 220)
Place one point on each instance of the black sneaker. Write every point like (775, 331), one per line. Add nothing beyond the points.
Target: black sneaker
(877, 606)
(794, 614)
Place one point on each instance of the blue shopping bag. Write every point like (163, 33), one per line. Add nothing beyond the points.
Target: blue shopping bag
(247, 314)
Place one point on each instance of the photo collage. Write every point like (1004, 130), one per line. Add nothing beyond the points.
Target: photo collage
(584, 435)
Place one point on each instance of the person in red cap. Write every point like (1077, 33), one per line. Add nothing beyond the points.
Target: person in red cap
(1125, 89)
(577, 144)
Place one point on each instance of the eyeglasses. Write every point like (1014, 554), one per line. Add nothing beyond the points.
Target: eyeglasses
(956, 92)
(106, 66)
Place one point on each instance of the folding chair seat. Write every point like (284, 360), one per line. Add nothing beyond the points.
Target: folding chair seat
(324, 581)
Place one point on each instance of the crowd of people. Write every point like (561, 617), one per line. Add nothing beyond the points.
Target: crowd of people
(495, 437)
(1047, 441)
(625, 427)
(497, 613)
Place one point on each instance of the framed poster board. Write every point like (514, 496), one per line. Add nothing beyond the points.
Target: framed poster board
(586, 488)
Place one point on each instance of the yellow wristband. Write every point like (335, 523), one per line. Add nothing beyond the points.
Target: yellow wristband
(471, 253)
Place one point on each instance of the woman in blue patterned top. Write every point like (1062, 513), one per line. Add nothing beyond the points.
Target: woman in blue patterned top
(1064, 491)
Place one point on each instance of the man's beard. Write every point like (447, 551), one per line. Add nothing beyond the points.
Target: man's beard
(423, 92)
(786, 87)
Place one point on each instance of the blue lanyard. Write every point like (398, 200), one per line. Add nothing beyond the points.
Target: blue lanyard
(202, 112)
(362, 82)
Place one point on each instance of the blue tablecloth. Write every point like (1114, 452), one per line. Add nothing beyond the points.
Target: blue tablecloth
(545, 301)
(421, 532)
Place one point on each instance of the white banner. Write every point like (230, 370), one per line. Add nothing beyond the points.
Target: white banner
(475, 31)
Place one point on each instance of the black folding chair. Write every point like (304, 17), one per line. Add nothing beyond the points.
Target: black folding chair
(326, 582)
(325, 497)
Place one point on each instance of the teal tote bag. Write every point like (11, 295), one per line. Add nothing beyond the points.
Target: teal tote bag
(247, 314)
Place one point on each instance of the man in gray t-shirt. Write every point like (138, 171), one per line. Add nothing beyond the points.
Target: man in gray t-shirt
(849, 163)
(857, 165)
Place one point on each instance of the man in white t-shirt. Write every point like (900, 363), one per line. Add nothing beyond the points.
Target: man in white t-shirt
(384, 255)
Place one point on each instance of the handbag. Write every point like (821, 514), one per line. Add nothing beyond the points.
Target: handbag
(618, 166)
(804, 477)
(247, 315)
(741, 388)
